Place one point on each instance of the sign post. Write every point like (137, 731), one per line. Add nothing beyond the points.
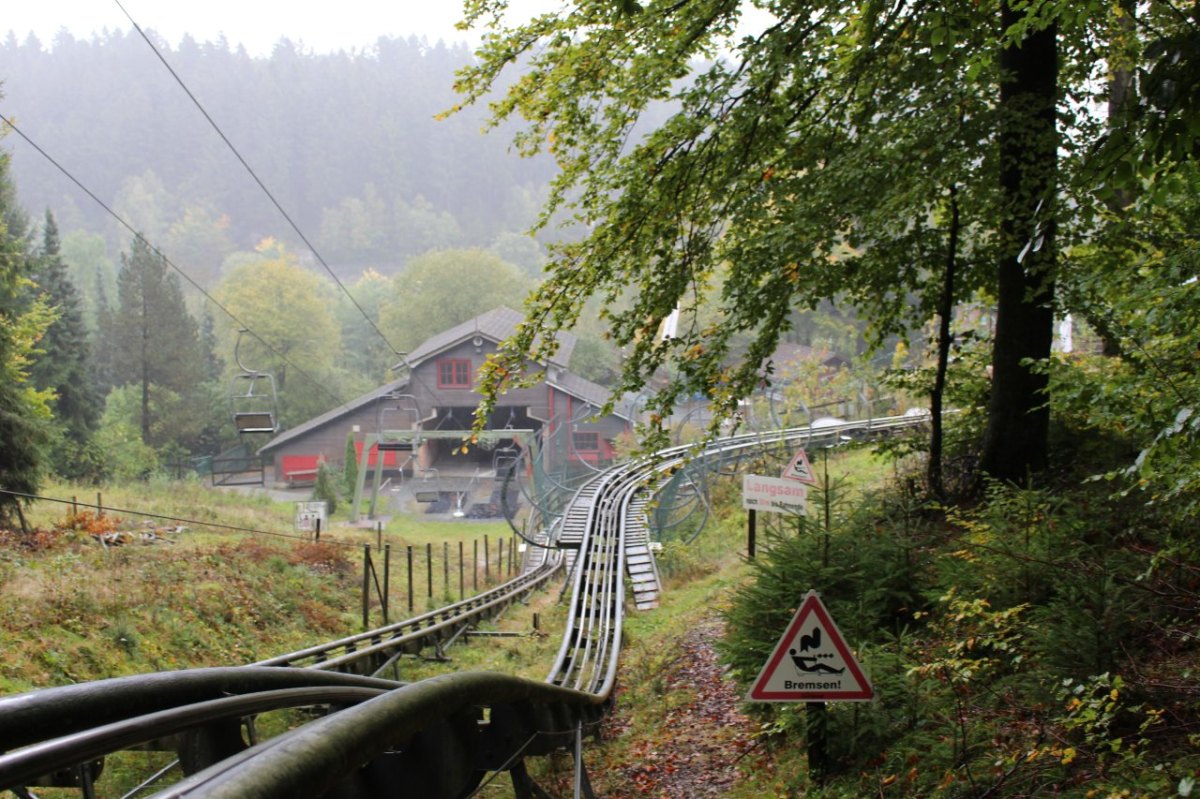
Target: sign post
(812, 664)
(751, 532)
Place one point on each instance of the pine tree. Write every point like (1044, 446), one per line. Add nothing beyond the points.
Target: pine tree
(155, 341)
(103, 376)
(63, 365)
(23, 411)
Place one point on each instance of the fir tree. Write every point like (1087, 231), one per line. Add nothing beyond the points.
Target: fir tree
(63, 365)
(155, 341)
(23, 411)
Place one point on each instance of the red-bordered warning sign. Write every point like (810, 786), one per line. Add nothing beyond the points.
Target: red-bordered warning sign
(811, 662)
(799, 469)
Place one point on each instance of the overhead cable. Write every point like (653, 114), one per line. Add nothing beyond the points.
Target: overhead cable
(287, 217)
(123, 223)
(175, 519)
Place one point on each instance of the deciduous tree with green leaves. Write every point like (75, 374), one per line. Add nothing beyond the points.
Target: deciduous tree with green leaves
(444, 288)
(860, 151)
(290, 311)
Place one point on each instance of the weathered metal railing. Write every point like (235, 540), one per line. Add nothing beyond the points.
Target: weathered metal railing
(374, 651)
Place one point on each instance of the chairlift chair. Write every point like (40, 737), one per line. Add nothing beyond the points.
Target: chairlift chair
(254, 402)
(253, 398)
(397, 412)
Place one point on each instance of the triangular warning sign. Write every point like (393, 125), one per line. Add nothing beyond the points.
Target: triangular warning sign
(811, 662)
(799, 469)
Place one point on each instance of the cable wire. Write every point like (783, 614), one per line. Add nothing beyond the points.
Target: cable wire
(287, 217)
(125, 224)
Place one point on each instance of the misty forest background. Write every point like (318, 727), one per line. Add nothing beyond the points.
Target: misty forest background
(423, 219)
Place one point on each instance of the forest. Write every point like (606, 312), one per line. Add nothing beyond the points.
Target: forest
(943, 187)
(349, 142)
(178, 241)
(423, 220)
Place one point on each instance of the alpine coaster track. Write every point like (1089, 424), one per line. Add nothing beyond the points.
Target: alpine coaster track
(369, 736)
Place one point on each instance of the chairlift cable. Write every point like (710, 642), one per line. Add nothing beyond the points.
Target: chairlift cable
(237, 154)
(176, 519)
(125, 224)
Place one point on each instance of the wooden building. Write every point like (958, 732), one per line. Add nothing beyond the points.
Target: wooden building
(438, 394)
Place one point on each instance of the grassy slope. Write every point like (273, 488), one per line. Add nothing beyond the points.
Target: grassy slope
(72, 609)
(77, 611)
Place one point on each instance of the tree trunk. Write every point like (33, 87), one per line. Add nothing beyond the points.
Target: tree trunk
(145, 322)
(945, 311)
(1120, 95)
(1016, 440)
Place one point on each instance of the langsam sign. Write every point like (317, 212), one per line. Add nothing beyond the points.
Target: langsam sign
(773, 494)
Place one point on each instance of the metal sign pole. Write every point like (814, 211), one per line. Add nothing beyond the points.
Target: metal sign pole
(817, 728)
(751, 533)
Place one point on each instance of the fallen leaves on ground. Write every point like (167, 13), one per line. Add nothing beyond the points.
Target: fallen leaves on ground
(700, 738)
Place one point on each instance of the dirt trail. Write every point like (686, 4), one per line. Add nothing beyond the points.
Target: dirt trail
(699, 740)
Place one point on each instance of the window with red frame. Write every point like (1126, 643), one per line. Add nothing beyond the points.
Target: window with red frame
(454, 373)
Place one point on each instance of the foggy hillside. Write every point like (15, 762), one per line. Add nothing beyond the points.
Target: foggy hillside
(348, 144)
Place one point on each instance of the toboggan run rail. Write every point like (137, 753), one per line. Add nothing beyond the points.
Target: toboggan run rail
(372, 737)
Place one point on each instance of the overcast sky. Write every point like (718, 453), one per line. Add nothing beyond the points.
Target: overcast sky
(322, 26)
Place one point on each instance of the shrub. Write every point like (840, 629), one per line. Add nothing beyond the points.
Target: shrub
(326, 488)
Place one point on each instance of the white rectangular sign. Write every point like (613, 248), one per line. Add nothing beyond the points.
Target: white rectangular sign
(773, 494)
(308, 514)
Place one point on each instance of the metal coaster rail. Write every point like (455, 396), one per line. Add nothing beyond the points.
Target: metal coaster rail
(440, 737)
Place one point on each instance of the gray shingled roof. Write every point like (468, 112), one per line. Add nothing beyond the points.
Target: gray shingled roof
(334, 414)
(496, 325)
(584, 389)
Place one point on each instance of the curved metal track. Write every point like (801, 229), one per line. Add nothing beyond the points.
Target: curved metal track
(435, 738)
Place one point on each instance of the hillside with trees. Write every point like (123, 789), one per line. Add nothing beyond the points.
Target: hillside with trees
(347, 142)
(988, 173)
(1026, 600)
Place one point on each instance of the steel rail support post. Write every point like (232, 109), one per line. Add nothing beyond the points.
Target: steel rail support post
(446, 569)
(461, 585)
(583, 786)
(523, 785)
(410, 579)
(86, 783)
(366, 587)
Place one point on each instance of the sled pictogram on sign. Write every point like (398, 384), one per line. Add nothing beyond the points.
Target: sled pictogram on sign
(799, 469)
(811, 662)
